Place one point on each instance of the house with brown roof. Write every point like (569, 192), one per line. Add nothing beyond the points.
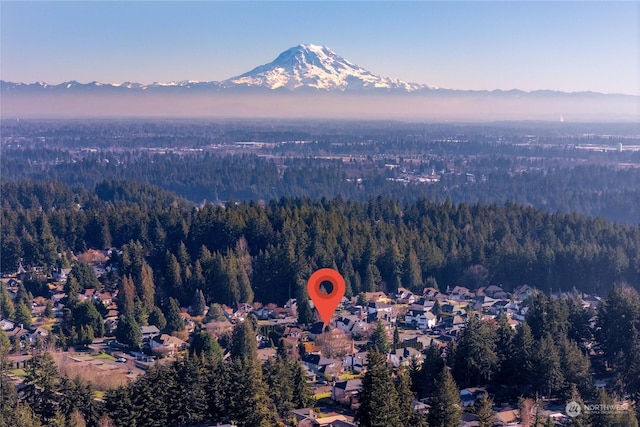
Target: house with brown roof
(460, 293)
(495, 291)
(218, 328)
(106, 298)
(523, 292)
(376, 297)
(430, 292)
(508, 417)
(166, 344)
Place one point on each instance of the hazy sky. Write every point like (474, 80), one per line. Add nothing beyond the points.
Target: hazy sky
(568, 46)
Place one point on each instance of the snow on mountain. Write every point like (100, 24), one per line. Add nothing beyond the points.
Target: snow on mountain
(303, 66)
(128, 85)
(317, 67)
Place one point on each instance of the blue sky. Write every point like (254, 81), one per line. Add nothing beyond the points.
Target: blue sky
(569, 46)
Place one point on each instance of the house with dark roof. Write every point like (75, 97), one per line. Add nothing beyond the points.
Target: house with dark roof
(378, 307)
(352, 324)
(403, 356)
(469, 396)
(495, 291)
(420, 319)
(405, 296)
(355, 362)
(523, 292)
(346, 392)
(460, 293)
(321, 365)
(430, 292)
(61, 274)
(149, 332)
(316, 329)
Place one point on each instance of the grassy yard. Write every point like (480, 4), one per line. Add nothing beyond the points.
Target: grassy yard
(345, 377)
(104, 356)
(319, 396)
(18, 372)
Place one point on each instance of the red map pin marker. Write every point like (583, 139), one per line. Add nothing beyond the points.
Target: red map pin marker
(326, 304)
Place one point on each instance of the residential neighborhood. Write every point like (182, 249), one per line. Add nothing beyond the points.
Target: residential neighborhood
(334, 356)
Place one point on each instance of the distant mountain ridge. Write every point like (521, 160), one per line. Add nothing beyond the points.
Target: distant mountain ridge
(302, 67)
(305, 66)
(308, 81)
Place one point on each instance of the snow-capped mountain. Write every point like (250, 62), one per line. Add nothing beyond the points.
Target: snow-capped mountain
(306, 81)
(305, 66)
(317, 67)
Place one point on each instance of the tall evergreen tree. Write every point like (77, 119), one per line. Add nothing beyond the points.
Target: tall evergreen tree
(86, 276)
(156, 317)
(247, 402)
(582, 419)
(126, 296)
(485, 412)
(24, 416)
(379, 340)
(203, 344)
(128, 331)
(445, 402)
(408, 417)
(396, 337)
(305, 313)
(230, 283)
(8, 396)
(197, 279)
(243, 343)
(431, 368)
(23, 315)
(119, 404)
(378, 397)
(302, 391)
(618, 316)
(523, 358)
(475, 357)
(244, 284)
(146, 288)
(86, 314)
(371, 278)
(175, 322)
(277, 377)
(412, 278)
(72, 288)
(42, 380)
(173, 285)
(576, 369)
(547, 364)
(188, 400)
(7, 308)
(504, 348)
(216, 313)
(198, 303)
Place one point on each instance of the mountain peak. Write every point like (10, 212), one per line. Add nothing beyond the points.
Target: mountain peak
(316, 67)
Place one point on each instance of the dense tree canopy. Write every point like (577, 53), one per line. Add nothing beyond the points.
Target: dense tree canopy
(239, 252)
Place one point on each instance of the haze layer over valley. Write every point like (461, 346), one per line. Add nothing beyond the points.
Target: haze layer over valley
(308, 81)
